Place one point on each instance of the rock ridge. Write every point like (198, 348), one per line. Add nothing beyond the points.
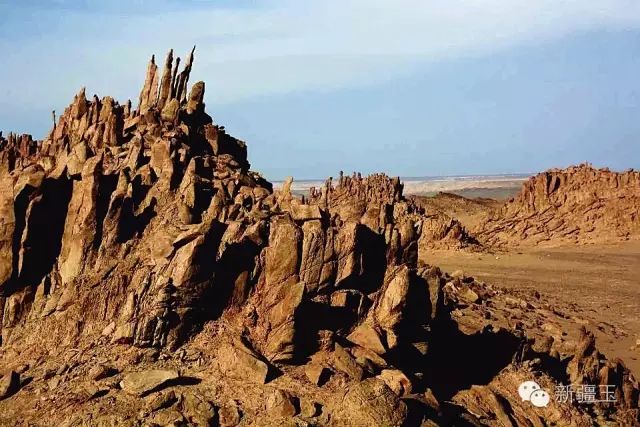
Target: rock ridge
(579, 204)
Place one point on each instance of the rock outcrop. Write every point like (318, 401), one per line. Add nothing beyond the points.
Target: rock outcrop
(148, 277)
(373, 198)
(579, 204)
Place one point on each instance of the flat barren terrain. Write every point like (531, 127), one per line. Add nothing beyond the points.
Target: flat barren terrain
(596, 285)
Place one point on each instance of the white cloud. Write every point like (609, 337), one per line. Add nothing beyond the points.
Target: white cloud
(283, 46)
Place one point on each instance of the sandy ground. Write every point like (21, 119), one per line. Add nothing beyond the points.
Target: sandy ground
(598, 285)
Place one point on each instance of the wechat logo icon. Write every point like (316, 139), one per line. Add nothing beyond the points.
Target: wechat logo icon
(531, 391)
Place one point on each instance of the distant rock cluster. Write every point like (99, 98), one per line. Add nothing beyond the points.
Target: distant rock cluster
(579, 204)
(358, 198)
(148, 277)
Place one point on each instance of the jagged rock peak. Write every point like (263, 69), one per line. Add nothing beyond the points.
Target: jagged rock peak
(166, 110)
(14, 147)
(375, 188)
(544, 188)
(377, 200)
(158, 92)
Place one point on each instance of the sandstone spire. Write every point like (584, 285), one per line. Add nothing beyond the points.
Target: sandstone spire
(150, 88)
(174, 77)
(165, 83)
(183, 78)
(196, 97)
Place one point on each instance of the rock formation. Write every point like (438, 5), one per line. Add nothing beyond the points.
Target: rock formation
(579, 204)
(364, 199)
(148, 277)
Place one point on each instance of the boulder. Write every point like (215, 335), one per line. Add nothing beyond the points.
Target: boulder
(280, 404)
(145, 382)
(309, 408)
(161, 401)
(229, 415)
(100, 371)
(366, 336)
(371, 403)
(343, 362)
(197, 408)
(167, 417)
(397, 381)
(467, 295)
(239, 361)
(302, 212)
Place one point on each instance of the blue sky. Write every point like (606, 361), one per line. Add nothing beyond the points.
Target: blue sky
(408, 87)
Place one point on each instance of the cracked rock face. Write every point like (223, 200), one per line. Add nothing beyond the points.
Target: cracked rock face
(139, 239)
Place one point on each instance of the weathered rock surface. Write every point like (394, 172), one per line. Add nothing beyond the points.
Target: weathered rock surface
(239, 361)
(280, 404)
(579, 204)
(138, 239)
(374, 199)
(369, 403)
(141, 383)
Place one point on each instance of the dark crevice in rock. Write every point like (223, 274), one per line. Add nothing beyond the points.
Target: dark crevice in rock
(232, 287)
(20, 212)
(46, 226)
(371, 264)
(145, 217)
(130, 225)
(139, 190)
(373, 259)
(506, 405)
(319, 317)
(555, 367)
(20, 205)
(419, 308)
(204, 194)
(457, 361)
